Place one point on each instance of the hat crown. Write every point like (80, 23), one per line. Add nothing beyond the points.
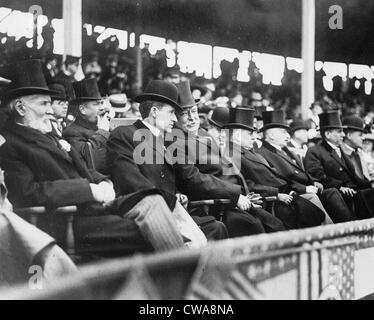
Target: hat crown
(330, 120)
(86, 88)
(162, 88)
(221, 115)
(60, 92)
(242, 116)
(185, 98)
(353, 122)
(298, 124)
(26, 74)
(274, 117)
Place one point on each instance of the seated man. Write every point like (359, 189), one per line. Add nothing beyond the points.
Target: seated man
(195, 146)
(138, 159)
(91, 124)
(353, 143)
(328, 164)
(294, 211)
(60, 102)
(299, 138)
(41, 172)
(291, 167)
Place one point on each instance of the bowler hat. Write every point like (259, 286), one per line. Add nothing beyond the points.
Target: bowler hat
(274, 119)
(26, 78)
(185, 98)
(220, 117)
(259, 111)
(160, 91)
(86, 90)
(298, 124)
(354, 123)
(330, 120)
(241, 118)
(60, 92)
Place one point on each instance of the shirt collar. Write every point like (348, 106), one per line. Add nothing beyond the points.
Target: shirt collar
(154, 130)
(332, 145)
(276, 147)
(349, 148)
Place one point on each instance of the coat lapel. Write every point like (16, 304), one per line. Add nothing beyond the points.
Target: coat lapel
(33, 136)
(156, 143)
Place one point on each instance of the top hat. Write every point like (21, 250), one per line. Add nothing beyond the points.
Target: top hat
(259, 111)
(274, 119)
(220, 117)
(26, 78)
(330, 120)
(185, 98)
(160, 91)
(298, 124)
(86, 90)
(60, 92)
(119, 102)
(354, 123)
(241, 118)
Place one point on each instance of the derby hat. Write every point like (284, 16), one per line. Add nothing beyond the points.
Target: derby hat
(241, 118)
(86, 90)
(160, 91)
(220, 117)
(119, 102)
(185, 98)
(354, 123)
(60, 92)
(274, 119)
(330, 120)
(259, 111)
(26, 78)
(298, 124)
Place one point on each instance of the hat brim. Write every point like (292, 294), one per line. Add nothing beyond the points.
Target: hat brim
(66, 98)
(191, 105)
(331, 127)
(158, 98)
(355, 128)
(239, 126)
(219, 125)
(274, 125)
(80, 99)
(299, 128)
(121, 109)
(25, 91)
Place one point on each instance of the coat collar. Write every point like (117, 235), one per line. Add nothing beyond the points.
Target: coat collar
(82, 122)
(335, 156)
(33, 136)
(282, 155)
(154, 142)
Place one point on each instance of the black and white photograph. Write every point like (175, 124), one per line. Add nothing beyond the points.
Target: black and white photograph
(205, 151)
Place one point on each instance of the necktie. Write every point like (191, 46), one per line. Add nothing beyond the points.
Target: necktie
(338, 152)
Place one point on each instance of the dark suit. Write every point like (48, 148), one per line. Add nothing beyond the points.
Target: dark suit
(80, 133)
(203, 152)
(266, 180)
(325, 166)
(290, 167)
(39, 173)
(133, 171)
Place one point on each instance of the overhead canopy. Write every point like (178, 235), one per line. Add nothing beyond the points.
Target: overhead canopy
(272, 26)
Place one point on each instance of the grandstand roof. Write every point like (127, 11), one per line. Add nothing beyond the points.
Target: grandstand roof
(272, 26)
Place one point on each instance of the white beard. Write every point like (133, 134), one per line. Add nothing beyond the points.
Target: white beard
(44, 126)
